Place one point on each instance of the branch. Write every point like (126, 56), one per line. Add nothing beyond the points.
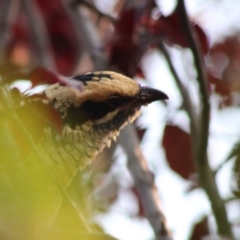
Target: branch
(144, 183)
(206, 175)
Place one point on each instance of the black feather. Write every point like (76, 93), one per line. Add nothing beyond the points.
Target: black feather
(88, 77)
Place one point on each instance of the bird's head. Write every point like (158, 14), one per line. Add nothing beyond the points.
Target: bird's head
(94, 108)
(105, 100)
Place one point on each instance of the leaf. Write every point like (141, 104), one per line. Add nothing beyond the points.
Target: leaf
(121, 46)
(43, 75)
(172, 31)
(178, 149)
(36, 115)
(27, 116)
(125, 26)
(125, 47)
(200, 230)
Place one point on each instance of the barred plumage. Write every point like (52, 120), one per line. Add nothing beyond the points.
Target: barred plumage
(93, 114)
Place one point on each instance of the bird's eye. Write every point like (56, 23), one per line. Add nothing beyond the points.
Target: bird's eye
(114, 101)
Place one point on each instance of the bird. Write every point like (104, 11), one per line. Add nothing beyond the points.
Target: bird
(93, 108)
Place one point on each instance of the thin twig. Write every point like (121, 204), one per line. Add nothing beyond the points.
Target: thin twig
(234, 153)
(90, 6)
(206, 175)
(232, 198)
(187, 103)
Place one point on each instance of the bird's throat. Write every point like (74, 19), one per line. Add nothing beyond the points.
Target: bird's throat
(65, 155)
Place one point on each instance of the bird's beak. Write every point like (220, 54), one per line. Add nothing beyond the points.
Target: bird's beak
(148, 95)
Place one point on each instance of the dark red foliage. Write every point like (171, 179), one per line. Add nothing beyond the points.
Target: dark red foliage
(178, 148)
(200, 230)
(125, 47)
(171, 30)
(125, 26)
(43, 76)
(122, 46)
(136, 31)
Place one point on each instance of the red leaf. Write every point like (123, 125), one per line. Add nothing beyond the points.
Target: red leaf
(170, 29)
(122, 46)
(200, 230)
(178, 148)
(42, 75)
(125, 49)
(128, 44)
(122, 54)
(125, 24)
